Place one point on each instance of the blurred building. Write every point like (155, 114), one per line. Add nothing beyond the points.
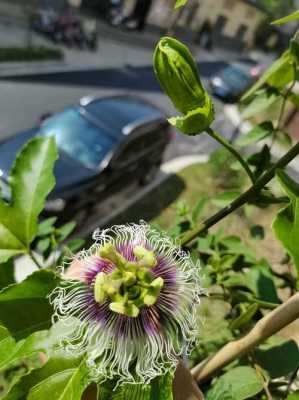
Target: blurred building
(225, 23)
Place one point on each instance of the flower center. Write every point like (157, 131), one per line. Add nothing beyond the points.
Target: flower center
(131, 285)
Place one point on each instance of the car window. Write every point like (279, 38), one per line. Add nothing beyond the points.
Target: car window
(78, 137)
(236, 77)
(119, 112)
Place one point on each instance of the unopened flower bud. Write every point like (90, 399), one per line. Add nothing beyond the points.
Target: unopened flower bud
(177, 73)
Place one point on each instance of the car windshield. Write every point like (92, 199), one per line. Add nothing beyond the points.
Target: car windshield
(236, 77)
(78, 138)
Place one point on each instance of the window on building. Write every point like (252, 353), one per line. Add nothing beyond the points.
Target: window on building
(229, 4)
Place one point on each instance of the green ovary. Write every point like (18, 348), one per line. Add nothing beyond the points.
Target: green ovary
(131, 285)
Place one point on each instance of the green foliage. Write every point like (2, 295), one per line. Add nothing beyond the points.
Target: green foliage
(64, 385)
(292, 17)
(6, 274)
(30, 295)
(259, 132)
(286, 223)
(180, 3)
(242, 285)
(240, 383)
(31, 180)
(280, 359)
(159, 389)
(12, 54)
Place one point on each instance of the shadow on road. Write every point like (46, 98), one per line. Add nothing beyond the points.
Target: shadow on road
(149, 206)
(129, 77)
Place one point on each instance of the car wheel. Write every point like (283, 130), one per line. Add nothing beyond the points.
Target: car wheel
(149, 174)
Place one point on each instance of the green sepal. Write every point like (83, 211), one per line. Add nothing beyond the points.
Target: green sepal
(195, 121)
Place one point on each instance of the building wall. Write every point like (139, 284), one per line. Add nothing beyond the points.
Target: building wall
(241, 19)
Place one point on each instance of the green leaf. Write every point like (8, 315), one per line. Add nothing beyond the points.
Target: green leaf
(31, 180)
(6, 274)
(257, 232)
(68, 384)
(293, 98)
(293, 396)
(291, 17)
(74, 245)
(46, 227)
(58, 360)
(159, 389)
(24, 307)
(245, 317)
(43, 245)
(286, 223)
(237, 384)
(180, 3)
(259, 132)
(132, 392)
(279, 360)
(262, 100)
(224, 198)
(198, 209)
(279, 74)
(12, 351)
(65, 230)
(259, 280)
(162, 387)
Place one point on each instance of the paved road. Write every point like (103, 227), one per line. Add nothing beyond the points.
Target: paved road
(114, 68)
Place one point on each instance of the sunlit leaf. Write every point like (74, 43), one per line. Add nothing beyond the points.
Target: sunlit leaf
(286, 223)
(261, 101)
(24, 307)
(31, 180)
(259, 132)
(278, 360)
(239, 383)
(64, 385)
(180, 3)
(292, 17)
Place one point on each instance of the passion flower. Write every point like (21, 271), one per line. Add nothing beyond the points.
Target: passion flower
(178, 76)
(134, 293)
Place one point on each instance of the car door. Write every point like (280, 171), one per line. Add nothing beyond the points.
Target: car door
(140, 151)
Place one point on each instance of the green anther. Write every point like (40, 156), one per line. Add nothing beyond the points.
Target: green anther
(130, 310)
(129, 278)
(109, 252)
(99, 287)
(144, 276)
(131, 285)
(146, 258)
(157, 283)
(153, 291)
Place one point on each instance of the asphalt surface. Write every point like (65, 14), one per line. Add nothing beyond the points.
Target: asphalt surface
(116, 67)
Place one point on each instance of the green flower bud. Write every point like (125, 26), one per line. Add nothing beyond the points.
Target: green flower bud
(177, 73)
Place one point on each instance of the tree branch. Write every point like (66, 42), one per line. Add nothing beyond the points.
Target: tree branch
(243, 198)
(265, 327)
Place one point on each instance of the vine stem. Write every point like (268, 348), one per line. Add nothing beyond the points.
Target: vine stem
(220, 139)
(265, 327)
(243, 198)
(34, 259)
